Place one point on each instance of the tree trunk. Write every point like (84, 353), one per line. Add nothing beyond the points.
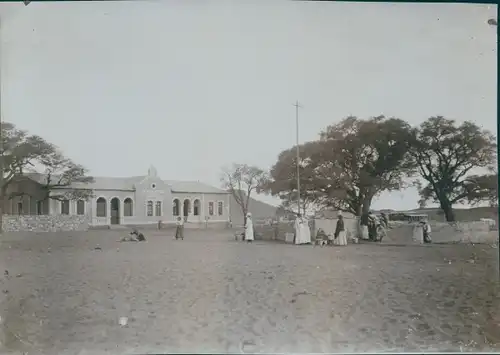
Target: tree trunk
(3, 192)
(447, 209)
(367, 202)
(365, 208)
(359, 210)
(244, 210)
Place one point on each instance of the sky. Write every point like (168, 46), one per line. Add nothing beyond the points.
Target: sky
(191, 86)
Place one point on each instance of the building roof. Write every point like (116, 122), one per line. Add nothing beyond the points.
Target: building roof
(127, 184)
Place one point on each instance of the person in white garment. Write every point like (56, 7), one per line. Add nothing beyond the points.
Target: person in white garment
(249, 228)
(306, 231)
(340, 232)
(302, 231)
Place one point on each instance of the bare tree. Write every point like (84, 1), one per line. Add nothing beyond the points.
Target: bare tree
(241, 180)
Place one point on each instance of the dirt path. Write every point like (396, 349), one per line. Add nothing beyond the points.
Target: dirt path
(210, 293)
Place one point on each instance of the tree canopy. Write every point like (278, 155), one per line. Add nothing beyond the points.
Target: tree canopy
(351, 162)
(445, 154)
(283, 178)
(31, 155)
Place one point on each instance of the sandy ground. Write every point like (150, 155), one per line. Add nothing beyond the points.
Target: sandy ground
(211, 294)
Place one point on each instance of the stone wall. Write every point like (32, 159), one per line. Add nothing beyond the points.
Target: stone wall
(277, 231)
(466, 232)
(44, 223)
(458, 232)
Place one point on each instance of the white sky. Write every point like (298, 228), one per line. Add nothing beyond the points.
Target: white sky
(192, 86)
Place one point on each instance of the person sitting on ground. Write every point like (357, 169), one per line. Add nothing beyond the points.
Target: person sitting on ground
(321, 237)
(139, 236)
(136, 237)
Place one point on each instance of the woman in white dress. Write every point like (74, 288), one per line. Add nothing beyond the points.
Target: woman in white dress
(340, 233)
(249, 228)
(302, 230)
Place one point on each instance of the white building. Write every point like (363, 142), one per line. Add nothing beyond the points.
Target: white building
(132, 201)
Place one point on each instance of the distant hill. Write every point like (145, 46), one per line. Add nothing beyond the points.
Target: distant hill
(258, 209)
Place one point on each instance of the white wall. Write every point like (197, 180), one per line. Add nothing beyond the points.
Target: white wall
(204, 206)
(145, 193)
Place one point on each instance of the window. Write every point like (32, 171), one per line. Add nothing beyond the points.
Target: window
(158, 208)
(19, 208)
(211, 208)
(39, 207)
(80, 207)
(101, 207)
(196, 207)
(64, 207)
(153, 186)
(128, 207)
(150, 208)
(220, 208)
(176, 207)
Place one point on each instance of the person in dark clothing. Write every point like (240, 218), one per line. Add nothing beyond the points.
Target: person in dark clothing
(340, 237)
(373, 223)
(139, 236)
(426, 229)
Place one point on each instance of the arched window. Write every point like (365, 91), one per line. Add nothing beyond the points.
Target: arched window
(196, 207)
(176, 207)
(80, 207)
(101, 207)
(150, 208)
(128, 207)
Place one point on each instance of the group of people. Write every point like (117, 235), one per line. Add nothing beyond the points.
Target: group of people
(338, 238)
(303, 231)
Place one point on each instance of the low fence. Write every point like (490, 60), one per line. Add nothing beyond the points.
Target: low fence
(400, 232)
(44, 223)
(277, 231)
(463, 232)
(441, 232)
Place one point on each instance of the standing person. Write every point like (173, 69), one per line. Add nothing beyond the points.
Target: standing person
(305, 230)
(249, 228)
(426, 229)
(302, 231)
(384, 220)
(340, 233)
(373, 223)
(298, 230)
(179, 232)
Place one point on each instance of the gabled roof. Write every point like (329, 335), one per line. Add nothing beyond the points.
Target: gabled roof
(127, 184)
(193, 186)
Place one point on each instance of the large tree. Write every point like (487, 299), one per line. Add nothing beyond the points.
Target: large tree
(349, 165)
(446, 154)
(31, 155)
(358, 159)
(241, 180)
(63, 179)
(283, 178)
